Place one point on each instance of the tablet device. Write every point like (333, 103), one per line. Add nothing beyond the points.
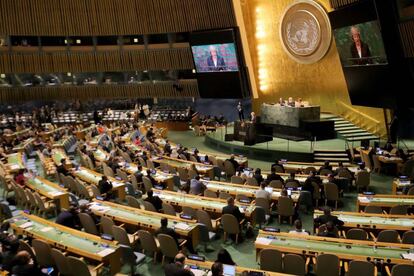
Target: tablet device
(107, 237)
(184, 216)
(196, 258)
(368, 193)
(229, 270)
(271, 229)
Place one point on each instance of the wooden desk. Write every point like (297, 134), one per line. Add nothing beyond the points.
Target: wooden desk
(15, 162)
(203, 169)
(145, 219)
(93, 178)
(238, 189)
(398, 185)
(343, 248)
(386, 201)
(80, 134)
(212, 205)
(206, 266)
(300, 166)
(159, 176)
(22, 146)
(59, 154)
(101, 155)
(373, 221)
(76, 242)
(50, 190)
(46, 134)
(15, 134)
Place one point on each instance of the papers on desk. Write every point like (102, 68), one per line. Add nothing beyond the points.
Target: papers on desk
(46, 229)
(106, 252)
(26, 225)
(181, 226)
(14, 166)
(264, 241)
(99, 208)
(198, 272)
(364, 199)
(408, 256)
(56, 193)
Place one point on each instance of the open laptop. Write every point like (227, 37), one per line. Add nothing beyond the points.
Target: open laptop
(229, 270)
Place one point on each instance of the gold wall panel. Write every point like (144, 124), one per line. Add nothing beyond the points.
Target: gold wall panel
(277, 75)
(157, 90)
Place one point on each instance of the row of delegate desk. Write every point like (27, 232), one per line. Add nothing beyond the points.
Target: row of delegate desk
(383, 200)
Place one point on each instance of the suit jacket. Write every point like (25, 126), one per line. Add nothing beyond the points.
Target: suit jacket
(176, 270)
(220, 64)
(324, 219)
(365, 54)
(169, 232)
(233, 210)
(156, 201)
(274, 176)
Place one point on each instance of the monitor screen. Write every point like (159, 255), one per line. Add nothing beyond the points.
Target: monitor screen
(360, 44)
(215, 57)
(229, 270)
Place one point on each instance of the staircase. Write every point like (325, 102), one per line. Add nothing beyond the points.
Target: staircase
(333, 156)
(349, 131)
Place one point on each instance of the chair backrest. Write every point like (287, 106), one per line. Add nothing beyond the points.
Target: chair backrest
(402, 270)
(241, 197)
(377, 163)
(237, 179)
(285, 206)
(229, 168)
(107, 170)
(193, 159)
(39, 202)
(223, 195)
(276, 184)
(187, 210)
(78, 266)
(61, 262)
(122, 175)
(147, 183)
(291, 183)
(344, 173)
(192, 174)
(408, 237)
(147, 241)
(307, 170)
(316, 191)
(258, 216)
(358, 268)
(399, 210)
(251, 181)
(106, 225)
(325, 172)
(168, 209)
(271, 260)
(43, 253)
(327, 265)
(230, 224)
(388, 236)
(356, 234)
(204, 218)
(182, 172)
(411, 191)
(363, 179)
(209, 193)
(23, 245)
(279, 168)
(264, 203)
(88, 224)
(132, 201)
(149, 206)
(150, 164)
(168, 245)
(294, 264)
(142, 161)
(372, 209)
(120, 235)
(95, 190)
(331, 191)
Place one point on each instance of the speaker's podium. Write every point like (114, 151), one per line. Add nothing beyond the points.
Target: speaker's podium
(251, 133)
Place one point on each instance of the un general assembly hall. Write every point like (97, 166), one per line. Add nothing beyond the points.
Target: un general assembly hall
(206, 137)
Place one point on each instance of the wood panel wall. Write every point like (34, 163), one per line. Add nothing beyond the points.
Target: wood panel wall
(151, 90)
(407, 37)
(341, 3)
(157, 59)
(112, 17)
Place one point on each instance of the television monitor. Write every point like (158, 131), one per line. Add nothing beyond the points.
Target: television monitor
(220, 57)
(360, 44)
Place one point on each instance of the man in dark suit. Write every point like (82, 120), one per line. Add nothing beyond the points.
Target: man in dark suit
(359, 50)
(177, 268)
(274, 176)
(164, 229)
(326, 166)
(105, 187)
(155, 200)
(138, 174)
(167, 148)
(233, 161)
(232, 209)
(61, 168)
(214, 61)
(323, 219)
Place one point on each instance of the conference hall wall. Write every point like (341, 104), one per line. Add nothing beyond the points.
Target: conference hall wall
(277, 75)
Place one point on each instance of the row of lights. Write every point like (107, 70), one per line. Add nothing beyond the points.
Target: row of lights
(260, 35)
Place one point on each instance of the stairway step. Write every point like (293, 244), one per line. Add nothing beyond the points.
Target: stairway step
(357, 134)
(346, 128)
(331, 159)
(351, 131)
(344, 124)
(372, 137)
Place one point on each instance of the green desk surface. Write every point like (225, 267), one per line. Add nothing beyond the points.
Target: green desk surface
(405, 222)
(158, 176)
(137, 217)
(334, 247)
(197, 202)
(100, 155)
(47, 232)
(387, 200)
(184, 164)
(215, 186)
(58, 155)
(42, 186)
(95, 177)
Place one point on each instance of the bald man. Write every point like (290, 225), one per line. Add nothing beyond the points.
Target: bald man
(177, 268)
(214, 61)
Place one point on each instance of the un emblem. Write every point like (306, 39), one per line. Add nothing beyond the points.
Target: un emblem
(305, 31)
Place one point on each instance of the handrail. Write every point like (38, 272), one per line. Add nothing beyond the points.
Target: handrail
(359, 112)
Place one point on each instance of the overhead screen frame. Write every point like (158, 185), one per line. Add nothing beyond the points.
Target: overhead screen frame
(376, 85)
(222, 84)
